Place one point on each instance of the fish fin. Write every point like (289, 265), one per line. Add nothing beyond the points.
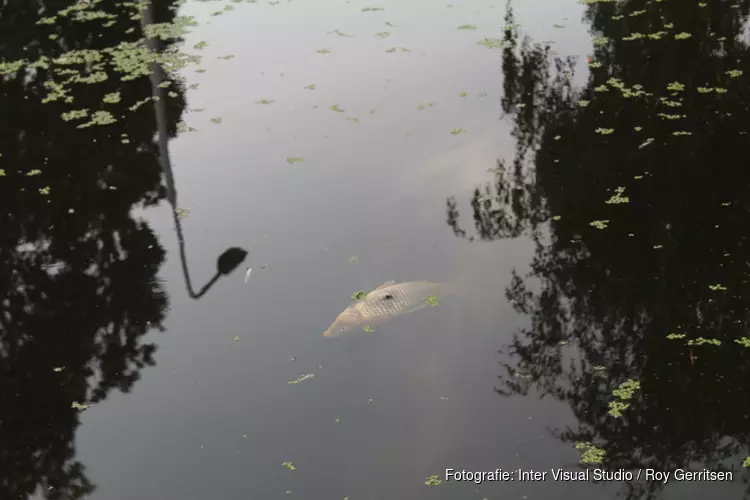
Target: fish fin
(386, 284)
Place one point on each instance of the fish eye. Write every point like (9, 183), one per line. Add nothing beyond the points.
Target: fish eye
(387, 297)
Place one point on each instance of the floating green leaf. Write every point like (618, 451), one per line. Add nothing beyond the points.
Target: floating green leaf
(75, 114)
(112, 98)
(294, 159)
(618, 197)
(340, 33)
(704, 341)
(99, 118)
(590, 453)
(433, 480)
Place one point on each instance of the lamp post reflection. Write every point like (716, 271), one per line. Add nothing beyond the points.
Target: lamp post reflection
(232, 257)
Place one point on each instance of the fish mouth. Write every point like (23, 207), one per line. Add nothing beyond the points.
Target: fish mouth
(334, 332)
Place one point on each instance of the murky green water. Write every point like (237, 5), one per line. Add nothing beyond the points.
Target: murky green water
(579, 169)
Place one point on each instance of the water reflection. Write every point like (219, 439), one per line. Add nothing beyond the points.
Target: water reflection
(78, 270)
(634, 189)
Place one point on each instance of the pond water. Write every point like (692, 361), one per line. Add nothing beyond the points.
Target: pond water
(576, 170)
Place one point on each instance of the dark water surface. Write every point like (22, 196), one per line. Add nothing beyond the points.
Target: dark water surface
(590, 160)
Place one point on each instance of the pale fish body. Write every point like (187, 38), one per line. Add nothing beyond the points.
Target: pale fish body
(387, 301)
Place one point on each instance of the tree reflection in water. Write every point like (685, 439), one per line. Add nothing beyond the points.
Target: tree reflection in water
(78, 271)
(634, 190)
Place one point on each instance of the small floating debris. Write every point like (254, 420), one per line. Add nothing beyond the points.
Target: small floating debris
(294, 159)
(289, 465)
(217, 120)
(353, 259)
(79, 406)
(301, 378)
(247, 274)
(235, 338)
(467, 27)
(432, 301)
(359, 295)
(58, 369)
(336, 108)
(372, 9)
(457, 131)
(368, 329)
(323, 51)
(397, 49)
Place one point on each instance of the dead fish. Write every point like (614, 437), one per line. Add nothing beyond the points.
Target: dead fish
(387, 301)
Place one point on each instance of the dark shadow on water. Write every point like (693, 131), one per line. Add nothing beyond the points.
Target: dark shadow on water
(635, 190)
